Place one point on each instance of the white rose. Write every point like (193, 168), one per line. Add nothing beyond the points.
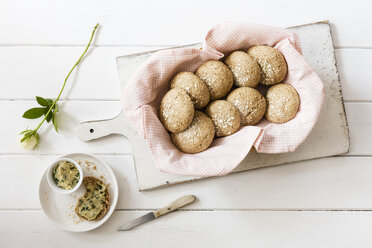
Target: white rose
(29, 143)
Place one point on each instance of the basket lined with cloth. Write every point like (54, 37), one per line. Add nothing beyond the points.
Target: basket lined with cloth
(142, 95)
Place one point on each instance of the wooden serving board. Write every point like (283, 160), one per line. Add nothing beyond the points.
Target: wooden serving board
(329, 136)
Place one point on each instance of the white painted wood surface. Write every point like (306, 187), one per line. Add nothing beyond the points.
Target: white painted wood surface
(186, 229)
(39, 41)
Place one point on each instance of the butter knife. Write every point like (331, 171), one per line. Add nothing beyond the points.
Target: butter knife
(180, 202)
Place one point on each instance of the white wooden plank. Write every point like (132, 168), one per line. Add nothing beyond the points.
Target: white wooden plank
(353, 68)
(39, 71)
(71, 114)
(331, 183)
(43, 69)
(198, 229)
(169, 22)
(74, 112)
(359, 118)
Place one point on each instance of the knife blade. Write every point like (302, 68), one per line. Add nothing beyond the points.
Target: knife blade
(180, 202)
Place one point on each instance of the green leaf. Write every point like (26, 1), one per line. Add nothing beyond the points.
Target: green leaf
(50, 101)
(27, 134)
(25, 137)
(26, 131)
(55, 123)
(42, 101)
(34, 113)
(49, 117)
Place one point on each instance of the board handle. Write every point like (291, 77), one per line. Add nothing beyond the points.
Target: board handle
(91, 130)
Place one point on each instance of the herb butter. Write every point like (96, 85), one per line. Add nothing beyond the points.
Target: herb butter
(66, 175)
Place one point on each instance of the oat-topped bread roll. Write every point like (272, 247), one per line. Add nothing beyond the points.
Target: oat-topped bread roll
(176, 110)
(272, 63)
(218, 78)
(194, 86)
(282, 103)
(250, 103)
(225, 117)
(197, 137)
(245, 69)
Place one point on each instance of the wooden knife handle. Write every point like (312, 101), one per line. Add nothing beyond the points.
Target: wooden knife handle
(180, 202)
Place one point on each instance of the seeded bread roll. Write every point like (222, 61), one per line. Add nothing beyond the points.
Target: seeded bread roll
(282, 103)
(194, 87)
(245, 69)
(272, 63)
(225, 117)
(250, 103)
(176, 110)
(218, 78)
(197, 137)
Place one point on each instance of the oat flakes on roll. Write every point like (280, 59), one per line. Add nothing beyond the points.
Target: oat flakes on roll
(176, 110)
(218, 78)
(225, 117)
(282, 103)
(194, 86)
(250, 103)
(197, 137)
(272, 63)
(246, 71)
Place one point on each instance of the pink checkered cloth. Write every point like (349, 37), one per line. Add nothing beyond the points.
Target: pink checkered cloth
(142, 95)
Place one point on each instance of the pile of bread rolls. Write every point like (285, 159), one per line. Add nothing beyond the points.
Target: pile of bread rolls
(220, 97)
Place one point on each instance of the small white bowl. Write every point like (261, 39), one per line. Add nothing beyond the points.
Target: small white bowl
(52, 182)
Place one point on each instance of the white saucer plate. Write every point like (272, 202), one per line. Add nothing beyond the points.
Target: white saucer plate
(61, 208)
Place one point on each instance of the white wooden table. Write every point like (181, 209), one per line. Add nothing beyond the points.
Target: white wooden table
(319, 203)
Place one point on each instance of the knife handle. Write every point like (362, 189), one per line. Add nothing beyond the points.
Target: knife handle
(180, 202)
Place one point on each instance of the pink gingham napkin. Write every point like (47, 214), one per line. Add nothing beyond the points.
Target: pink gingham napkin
(142, 95)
